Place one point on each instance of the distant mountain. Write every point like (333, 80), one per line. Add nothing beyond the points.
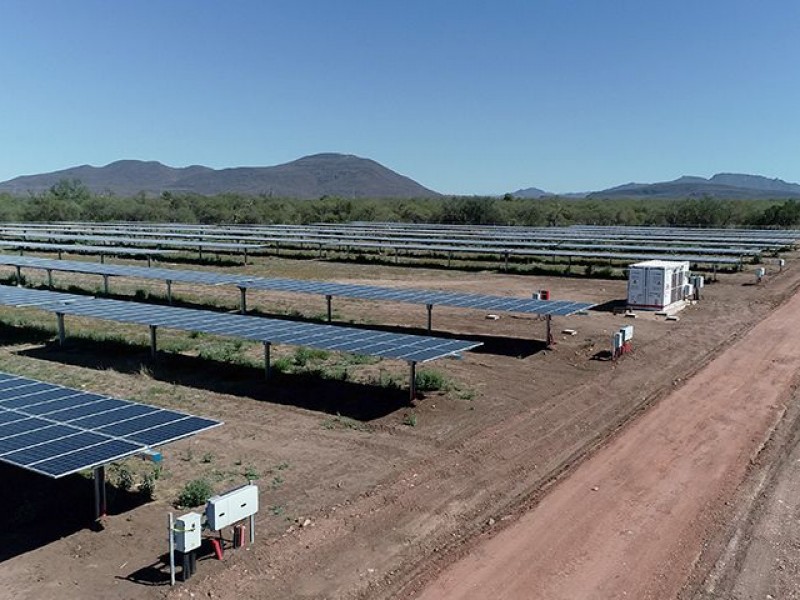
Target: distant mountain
(721, 185)
(531, 192)
(329, 174)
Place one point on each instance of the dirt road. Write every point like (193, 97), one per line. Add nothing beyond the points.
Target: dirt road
(631, 521)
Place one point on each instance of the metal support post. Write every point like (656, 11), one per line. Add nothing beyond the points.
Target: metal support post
(396, 255)
(200, 252)
(505, 260)
(252, 528)
(328, 299)
(19, 276)
(429, 307)
(171, 527)
(61, 333)
(50, 278)
(99, 492)
(412, 381)
(105, 284)
(266, 360)
(320, 251)
(169, 291)
(715, 271)
(449, 258)
(243, 300)
(149, 260)
(102, 258)
(549, 322)
(59, 254)
(153, 347)
(245, 256)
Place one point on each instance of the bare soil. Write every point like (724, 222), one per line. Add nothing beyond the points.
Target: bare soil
(631, 521)
(355, 501)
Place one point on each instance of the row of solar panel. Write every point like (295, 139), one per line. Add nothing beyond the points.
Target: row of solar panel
(580, 243)
(487, 250)
(321, 233)
(410, 227)
(211, 246)
(364, 292)
(411, 348)
(56, 431)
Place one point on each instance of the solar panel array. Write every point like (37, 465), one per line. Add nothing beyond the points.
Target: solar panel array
(57, 431)
(362, 292)
(416, 296)
(583, 243)
(411, 348)
(82, 249)
(90, 268)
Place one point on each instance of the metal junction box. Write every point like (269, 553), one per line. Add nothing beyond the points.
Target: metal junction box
(187, 532)
(231, 507)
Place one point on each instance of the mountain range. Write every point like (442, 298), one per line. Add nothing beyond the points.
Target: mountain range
(348, 176)
(721, 185)
(329, 174)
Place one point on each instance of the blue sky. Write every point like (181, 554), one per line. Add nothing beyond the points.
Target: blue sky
(466, 97)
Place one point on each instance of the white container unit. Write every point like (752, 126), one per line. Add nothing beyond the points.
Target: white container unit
(656, 284)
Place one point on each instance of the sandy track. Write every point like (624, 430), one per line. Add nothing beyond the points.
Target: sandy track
(630, 522)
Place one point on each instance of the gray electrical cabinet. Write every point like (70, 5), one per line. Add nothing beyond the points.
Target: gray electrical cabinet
(232, 507)
(187, 532)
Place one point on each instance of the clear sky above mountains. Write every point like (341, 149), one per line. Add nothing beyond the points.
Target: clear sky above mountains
(467, 97)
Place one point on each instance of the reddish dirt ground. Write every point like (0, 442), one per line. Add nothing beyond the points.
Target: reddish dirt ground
(388, 505)
(630, 522)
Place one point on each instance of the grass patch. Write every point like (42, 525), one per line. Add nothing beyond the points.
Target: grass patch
(340, 422)
(284, 364)
(303, 356)
(229, 351)
(360, 359)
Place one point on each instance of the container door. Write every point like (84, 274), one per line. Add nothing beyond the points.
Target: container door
(636, 286)
(655, 287)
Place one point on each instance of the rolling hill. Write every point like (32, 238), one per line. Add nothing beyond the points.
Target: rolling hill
(328, 174)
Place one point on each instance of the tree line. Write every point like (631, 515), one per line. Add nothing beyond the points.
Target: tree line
(70, 200)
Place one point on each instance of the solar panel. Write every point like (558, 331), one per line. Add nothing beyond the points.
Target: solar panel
(412, 348)
(364, 292)
(57, 431)
(130, 241)
(90, 268)
(82, 249)
(417, 296)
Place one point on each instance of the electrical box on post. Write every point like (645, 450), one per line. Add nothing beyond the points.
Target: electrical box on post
(627, 333)
(231, 507)
(187, 532)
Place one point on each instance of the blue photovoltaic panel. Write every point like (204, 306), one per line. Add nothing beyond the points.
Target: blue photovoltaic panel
(81, 249)
(363, 292)
(56, 430)
(412, 348)
(417, 296)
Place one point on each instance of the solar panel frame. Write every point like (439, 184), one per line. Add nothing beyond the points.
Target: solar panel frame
(40, 433)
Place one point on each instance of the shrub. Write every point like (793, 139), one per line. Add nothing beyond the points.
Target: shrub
(195, 493)
(410, 419)
(430, 381)
(148, 486)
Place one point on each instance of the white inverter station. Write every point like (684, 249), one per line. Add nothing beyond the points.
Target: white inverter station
(657, 284)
